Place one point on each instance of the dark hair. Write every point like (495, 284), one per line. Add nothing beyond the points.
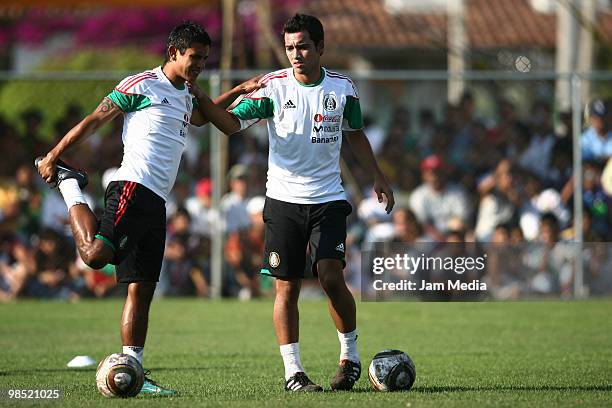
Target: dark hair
(184, 35)
(182, 212)
(304, 22)
(550, 219)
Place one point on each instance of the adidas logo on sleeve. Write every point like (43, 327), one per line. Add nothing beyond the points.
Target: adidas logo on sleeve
(165, 101)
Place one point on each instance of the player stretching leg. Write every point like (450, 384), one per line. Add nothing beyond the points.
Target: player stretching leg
(307, 108)
(157, 108)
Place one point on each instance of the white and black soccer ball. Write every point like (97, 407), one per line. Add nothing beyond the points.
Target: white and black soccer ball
(119, 375)
(391, 370)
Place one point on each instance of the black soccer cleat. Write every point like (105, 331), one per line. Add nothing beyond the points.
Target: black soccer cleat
(301, 383)
(63, 171)
(347, 375)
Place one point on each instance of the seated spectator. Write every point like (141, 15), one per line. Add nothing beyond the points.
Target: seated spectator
(16, 266)
(505, 270)
(93, 282)
(588, 235)
(436, 202)
(52, 260)
(552, 261)
(499, 200)
(596, 142)
(537, 202)
(234, 203)
(595, 200)
(406, 226)
(536, 158)
(423, 137)
(561, 164)
(30, 202)
(244, 249)
(180, 276)
(200, 208)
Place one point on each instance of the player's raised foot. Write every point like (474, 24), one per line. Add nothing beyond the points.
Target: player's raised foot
(64, 171)
(347, 375)
(150, 387)
(301, 383)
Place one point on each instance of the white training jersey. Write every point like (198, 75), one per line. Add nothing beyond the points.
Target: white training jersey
(156, 123)
(305, 124)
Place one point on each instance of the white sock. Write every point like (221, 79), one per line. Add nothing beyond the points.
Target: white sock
(135, 352)
(291, 359)
(71, 192)
(348, 346)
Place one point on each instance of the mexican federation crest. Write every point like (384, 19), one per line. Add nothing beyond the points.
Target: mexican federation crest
(329, 102)
(274, 259)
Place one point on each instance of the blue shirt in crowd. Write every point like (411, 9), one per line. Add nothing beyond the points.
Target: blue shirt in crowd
(595, 147)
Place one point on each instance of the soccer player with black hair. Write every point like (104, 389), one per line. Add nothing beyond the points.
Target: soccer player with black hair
(158, 108)
(309, 109)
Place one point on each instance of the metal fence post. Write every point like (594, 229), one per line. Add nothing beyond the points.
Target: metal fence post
(216, 251)
(576, 82)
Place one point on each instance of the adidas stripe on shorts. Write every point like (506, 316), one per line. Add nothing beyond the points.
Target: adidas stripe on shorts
(134, 226)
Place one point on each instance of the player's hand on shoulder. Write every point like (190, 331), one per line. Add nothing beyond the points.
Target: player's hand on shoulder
(195, 90)
(251, 85)
(384, 192)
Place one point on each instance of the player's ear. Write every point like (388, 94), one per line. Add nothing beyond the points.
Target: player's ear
(320, 47)
(172, 53)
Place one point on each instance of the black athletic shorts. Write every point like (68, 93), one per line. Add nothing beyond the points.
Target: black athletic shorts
(297, 236)
(133, 225)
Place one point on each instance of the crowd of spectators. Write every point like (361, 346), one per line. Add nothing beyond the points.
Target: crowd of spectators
(504, 184)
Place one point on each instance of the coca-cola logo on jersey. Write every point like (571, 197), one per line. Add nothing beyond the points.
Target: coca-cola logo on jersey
(327, 118)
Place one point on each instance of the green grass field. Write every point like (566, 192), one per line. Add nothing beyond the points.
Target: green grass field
(225, 353)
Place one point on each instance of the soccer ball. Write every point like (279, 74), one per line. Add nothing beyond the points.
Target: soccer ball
(119, 375)
(391, 370)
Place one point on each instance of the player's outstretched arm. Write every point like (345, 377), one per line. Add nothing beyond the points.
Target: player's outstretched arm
(225, 100)
(363, 150)
(104, 113)
(222, 119)
(200, 117)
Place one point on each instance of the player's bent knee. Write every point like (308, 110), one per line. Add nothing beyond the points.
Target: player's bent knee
(97, 256)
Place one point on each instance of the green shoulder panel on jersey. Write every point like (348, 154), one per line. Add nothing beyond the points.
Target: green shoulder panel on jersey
(352, 112)
(128, 102)
(254, 109)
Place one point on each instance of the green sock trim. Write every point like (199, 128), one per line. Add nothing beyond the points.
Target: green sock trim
(265, 272)
(106, 241)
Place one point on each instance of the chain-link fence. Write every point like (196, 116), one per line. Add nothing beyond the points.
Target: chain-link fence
(504, 158)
